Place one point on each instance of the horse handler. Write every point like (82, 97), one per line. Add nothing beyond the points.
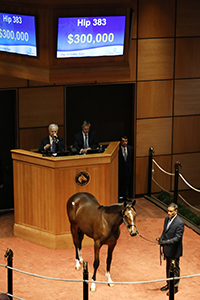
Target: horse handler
(171, 240)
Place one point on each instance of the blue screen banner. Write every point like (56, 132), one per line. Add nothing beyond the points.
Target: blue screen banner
(90, 36)
(18, 34)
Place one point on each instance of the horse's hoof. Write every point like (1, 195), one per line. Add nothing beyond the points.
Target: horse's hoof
(93, 287)
(78, 266)
(111, 284)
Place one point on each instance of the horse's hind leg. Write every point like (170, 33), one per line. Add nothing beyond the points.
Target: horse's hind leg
(95, 264)
(80, 238)
(109, 260)
(77, 239)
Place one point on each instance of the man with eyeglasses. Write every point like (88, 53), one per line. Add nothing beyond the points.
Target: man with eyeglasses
(171, 240)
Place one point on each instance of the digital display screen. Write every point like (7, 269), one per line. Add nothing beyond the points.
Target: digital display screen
(90, 36)
(18, 34)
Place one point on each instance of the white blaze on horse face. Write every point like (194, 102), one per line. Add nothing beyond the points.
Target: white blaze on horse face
(131, 217)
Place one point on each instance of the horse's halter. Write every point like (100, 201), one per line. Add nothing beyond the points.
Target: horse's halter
(126, 223)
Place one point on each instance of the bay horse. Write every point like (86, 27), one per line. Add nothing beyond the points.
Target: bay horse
(101, 223)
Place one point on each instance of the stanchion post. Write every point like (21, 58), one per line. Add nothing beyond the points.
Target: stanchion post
(176, 166)
(9, 256)
(151, 151)
(85, 284)
(171, 282)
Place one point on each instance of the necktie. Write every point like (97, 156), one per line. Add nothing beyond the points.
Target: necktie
(86, 143)
(54, 146)
(168, 224)
(125, 154)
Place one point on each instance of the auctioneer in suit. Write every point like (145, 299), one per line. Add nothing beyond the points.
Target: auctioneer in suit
(60, 145)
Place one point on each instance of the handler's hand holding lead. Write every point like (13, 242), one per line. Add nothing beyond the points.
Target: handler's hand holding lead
(162, 242)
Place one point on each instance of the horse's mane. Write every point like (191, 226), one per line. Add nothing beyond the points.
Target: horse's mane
(113, 208)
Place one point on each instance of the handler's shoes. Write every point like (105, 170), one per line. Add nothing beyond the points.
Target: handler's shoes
(165, 288)
(175, 291)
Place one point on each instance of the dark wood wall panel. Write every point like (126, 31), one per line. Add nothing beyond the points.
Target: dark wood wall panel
(30, 138)
(186, 134)
(156, 133)
(133, 61)
(190, 168)
(186, 97)
(187, 57)
(38, 84)
(154, 99)
(161, 178)
(141, 177)
(192, 197)
(134, 23)
(7, 82)
(188, 18)
(155, 59)
(40, 107)
(156, 18)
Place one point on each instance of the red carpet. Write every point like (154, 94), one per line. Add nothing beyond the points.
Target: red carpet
(134, 259)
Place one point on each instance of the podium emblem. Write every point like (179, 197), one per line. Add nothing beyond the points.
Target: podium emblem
(82, 178)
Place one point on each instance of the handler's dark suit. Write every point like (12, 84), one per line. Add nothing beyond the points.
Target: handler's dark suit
(173, 248)
(60, 145)
(79, 142)
(125, 172)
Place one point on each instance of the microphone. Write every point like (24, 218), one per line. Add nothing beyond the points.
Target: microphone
(55, 137)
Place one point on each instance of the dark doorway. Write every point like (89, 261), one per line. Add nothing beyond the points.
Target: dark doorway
(8, 142)
(109, 108)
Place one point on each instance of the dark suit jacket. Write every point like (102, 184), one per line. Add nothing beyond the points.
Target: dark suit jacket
(126, 167)
(173, 235)
(60, 146)
(125, 172)
(1, 173)
(92, 141)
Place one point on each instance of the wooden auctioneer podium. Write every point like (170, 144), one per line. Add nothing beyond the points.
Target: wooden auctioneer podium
(43, 185)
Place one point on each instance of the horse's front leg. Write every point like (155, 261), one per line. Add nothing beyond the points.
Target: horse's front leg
(109, 260)
(79, 259)
(97, 247)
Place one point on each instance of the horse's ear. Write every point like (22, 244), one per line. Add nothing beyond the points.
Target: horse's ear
(133, 203)
(125, 204)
